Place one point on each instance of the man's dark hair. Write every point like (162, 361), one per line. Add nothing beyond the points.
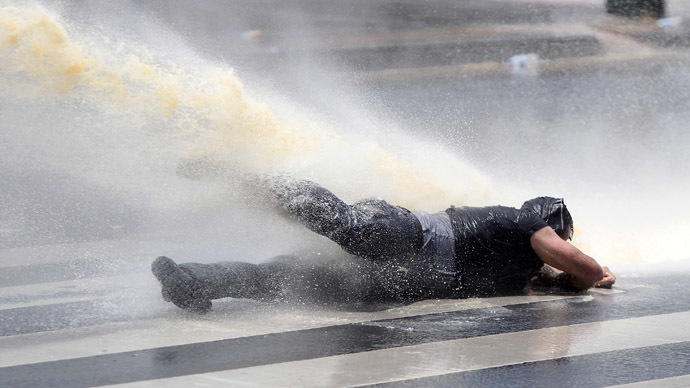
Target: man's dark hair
(554, 212)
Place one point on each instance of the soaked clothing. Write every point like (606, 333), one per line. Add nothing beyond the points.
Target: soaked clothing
(398, 255)
(438, 242)
(370, 228)
(493, 251)
(342, 279)
(462, 252)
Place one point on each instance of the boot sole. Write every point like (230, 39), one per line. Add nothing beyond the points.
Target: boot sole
(171, 277)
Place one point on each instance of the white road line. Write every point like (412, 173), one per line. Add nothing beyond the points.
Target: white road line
(90, 284)
(47, 302)
(78, 290)
(431, 359)
(230, 319)
(98, 250)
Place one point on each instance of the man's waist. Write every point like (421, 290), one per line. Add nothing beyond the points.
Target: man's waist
(438, 242)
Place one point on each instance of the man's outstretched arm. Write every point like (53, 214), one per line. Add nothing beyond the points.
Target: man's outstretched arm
(580, 271)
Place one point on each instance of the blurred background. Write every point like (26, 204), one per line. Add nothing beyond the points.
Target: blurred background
(423, 103)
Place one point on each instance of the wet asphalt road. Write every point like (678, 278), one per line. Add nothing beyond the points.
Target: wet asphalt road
(57, 315)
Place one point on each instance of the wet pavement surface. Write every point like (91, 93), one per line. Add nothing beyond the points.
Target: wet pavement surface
(89, 313)
(634, 332)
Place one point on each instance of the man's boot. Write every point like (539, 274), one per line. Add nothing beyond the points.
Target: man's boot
(192, 286)
(181, 287)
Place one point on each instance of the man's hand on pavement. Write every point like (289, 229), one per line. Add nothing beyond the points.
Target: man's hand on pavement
(608, 279)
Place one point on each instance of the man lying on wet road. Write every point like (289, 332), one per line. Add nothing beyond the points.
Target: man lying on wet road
(398, 255)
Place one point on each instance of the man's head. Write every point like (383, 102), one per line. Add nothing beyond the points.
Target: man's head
(554, 212)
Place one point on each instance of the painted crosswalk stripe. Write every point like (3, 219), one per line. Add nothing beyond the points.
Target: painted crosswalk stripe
(468, 354)
(170, 327)
(302, 345)
(163, 344)
(646, 365)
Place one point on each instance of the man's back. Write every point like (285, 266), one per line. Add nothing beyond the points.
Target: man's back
(493, 250)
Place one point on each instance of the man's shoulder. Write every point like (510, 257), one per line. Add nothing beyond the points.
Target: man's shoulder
(530, 222)
(484, 217)
(496, 218)
(494, 210)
